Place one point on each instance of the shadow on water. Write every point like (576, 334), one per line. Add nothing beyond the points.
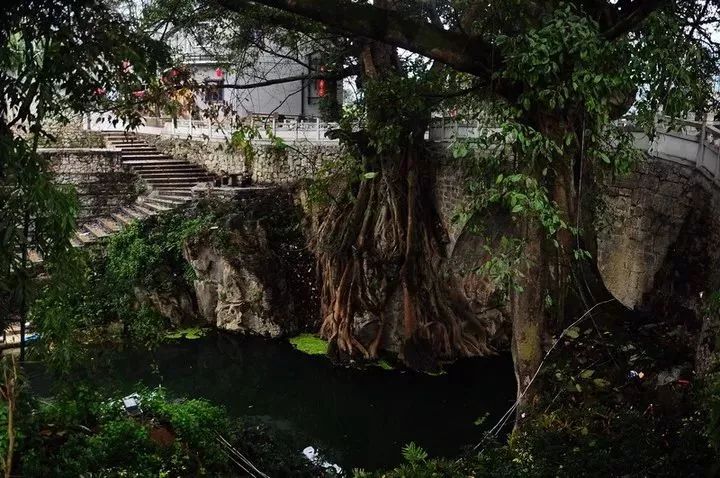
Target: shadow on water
(361, 418)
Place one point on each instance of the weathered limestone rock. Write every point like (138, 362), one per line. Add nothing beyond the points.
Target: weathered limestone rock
(244, 281)
(176, 305)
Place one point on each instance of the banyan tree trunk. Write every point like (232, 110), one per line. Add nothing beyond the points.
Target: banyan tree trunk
(552, 271)
(390, 242)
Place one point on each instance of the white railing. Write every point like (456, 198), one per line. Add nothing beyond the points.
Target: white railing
(686, 141)
(289, 130)
(689, 142)
(693, 143)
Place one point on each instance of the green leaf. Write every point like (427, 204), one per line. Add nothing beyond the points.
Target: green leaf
(601, 383)
(573, 333)
(370, 175)
(587, 373)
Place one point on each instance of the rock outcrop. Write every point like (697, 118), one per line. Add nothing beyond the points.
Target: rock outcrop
(251, 276)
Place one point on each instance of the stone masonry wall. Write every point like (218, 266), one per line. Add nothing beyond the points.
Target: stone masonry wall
(651, 220)
(71, 135)
(102, 185)
(269, 165)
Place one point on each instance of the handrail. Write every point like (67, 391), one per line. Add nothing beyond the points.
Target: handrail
(691, 142)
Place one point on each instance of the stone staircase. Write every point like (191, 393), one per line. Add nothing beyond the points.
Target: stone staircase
(170, 181)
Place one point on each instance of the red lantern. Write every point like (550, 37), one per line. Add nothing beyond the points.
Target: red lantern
(321, 87)
(219, 73)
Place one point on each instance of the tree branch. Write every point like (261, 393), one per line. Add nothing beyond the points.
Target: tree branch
(635, 18)
(462, 52)
(289, 79)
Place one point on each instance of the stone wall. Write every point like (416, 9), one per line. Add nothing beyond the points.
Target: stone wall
(71, 135)
(659, 235)
(102, 185)
(269, 163)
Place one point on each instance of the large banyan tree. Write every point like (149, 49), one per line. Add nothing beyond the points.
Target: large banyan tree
(551, 77)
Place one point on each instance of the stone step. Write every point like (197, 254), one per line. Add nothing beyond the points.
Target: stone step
(153, 162)
(176, 182)
(170, 172)
(167, 168)
(152, 205)
(136, 149)
(97, 230)
(110, 224)
(133, 213)
(75, 242)
(144, 210)
(155, 155)
(124, 145)
(85, 237)
(169, 201)
(121, 139)
(117, 142)
(122, 218)
(175, 191)
(174, 174)
(189, 177)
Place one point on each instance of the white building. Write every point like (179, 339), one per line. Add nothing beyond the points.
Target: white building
(297, 98)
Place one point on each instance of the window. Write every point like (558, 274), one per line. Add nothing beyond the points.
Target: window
(213, 91)
(317, 88)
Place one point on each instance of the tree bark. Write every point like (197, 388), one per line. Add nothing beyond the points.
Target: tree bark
(552, 268)
(390, 241)
(528, 315)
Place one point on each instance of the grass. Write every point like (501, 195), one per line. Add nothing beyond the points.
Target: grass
(310, 344)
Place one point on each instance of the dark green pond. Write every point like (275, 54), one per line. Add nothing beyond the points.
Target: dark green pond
(360, 418)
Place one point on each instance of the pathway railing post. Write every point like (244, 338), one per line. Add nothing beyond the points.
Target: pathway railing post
(701, 145)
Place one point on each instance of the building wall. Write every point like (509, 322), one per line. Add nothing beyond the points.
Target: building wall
(295, 98)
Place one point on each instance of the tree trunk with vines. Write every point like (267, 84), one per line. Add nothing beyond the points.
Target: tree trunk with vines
(552, 271)
(391, 238)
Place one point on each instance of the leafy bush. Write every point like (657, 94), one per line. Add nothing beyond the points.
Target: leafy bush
(82, 435)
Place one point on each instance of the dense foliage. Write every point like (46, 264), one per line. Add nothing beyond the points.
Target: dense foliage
(108, 300)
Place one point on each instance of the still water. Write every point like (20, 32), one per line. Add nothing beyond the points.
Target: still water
(360, 418)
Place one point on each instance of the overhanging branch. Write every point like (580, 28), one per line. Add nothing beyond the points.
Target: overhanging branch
(642, 10)
(289, 79)
(469, 54)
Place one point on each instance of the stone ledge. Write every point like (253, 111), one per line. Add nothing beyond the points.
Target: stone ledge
(78, 150)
